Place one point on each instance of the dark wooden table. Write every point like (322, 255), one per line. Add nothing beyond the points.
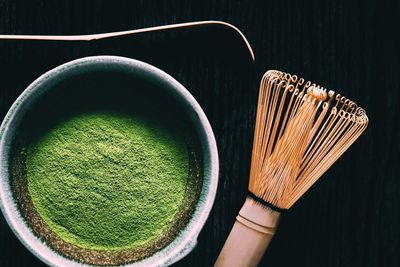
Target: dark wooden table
(351, 217)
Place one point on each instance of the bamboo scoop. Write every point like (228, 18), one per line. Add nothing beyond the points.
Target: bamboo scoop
(108, 35)
(301, 130)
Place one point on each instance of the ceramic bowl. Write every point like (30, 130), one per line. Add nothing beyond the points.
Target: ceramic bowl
(112, 82)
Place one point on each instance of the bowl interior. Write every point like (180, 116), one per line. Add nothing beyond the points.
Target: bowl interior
(103, 89)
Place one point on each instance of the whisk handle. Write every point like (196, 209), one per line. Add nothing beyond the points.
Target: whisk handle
(250, 236)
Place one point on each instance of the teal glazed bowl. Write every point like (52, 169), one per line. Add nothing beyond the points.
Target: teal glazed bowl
(110, 83)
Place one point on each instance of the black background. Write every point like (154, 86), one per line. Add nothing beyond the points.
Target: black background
(351, 216)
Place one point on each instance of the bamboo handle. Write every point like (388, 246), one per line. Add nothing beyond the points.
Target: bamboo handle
(250, 236)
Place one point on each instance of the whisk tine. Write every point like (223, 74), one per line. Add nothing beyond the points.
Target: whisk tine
(299, 134)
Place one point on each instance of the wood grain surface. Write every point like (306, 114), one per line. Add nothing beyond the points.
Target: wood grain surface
(351, 217)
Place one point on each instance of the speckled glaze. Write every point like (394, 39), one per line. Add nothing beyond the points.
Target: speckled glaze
(187, 238)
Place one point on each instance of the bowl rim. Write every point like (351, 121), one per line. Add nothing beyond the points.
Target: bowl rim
(186, 240)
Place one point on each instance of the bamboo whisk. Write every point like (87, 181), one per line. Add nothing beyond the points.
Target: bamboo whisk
(301, 130)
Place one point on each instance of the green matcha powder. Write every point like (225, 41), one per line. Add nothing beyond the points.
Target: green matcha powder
(108, 181)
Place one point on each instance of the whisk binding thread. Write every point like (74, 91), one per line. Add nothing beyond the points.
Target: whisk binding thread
(265, 203)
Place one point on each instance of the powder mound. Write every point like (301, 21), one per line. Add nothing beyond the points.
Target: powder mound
(108, 181)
